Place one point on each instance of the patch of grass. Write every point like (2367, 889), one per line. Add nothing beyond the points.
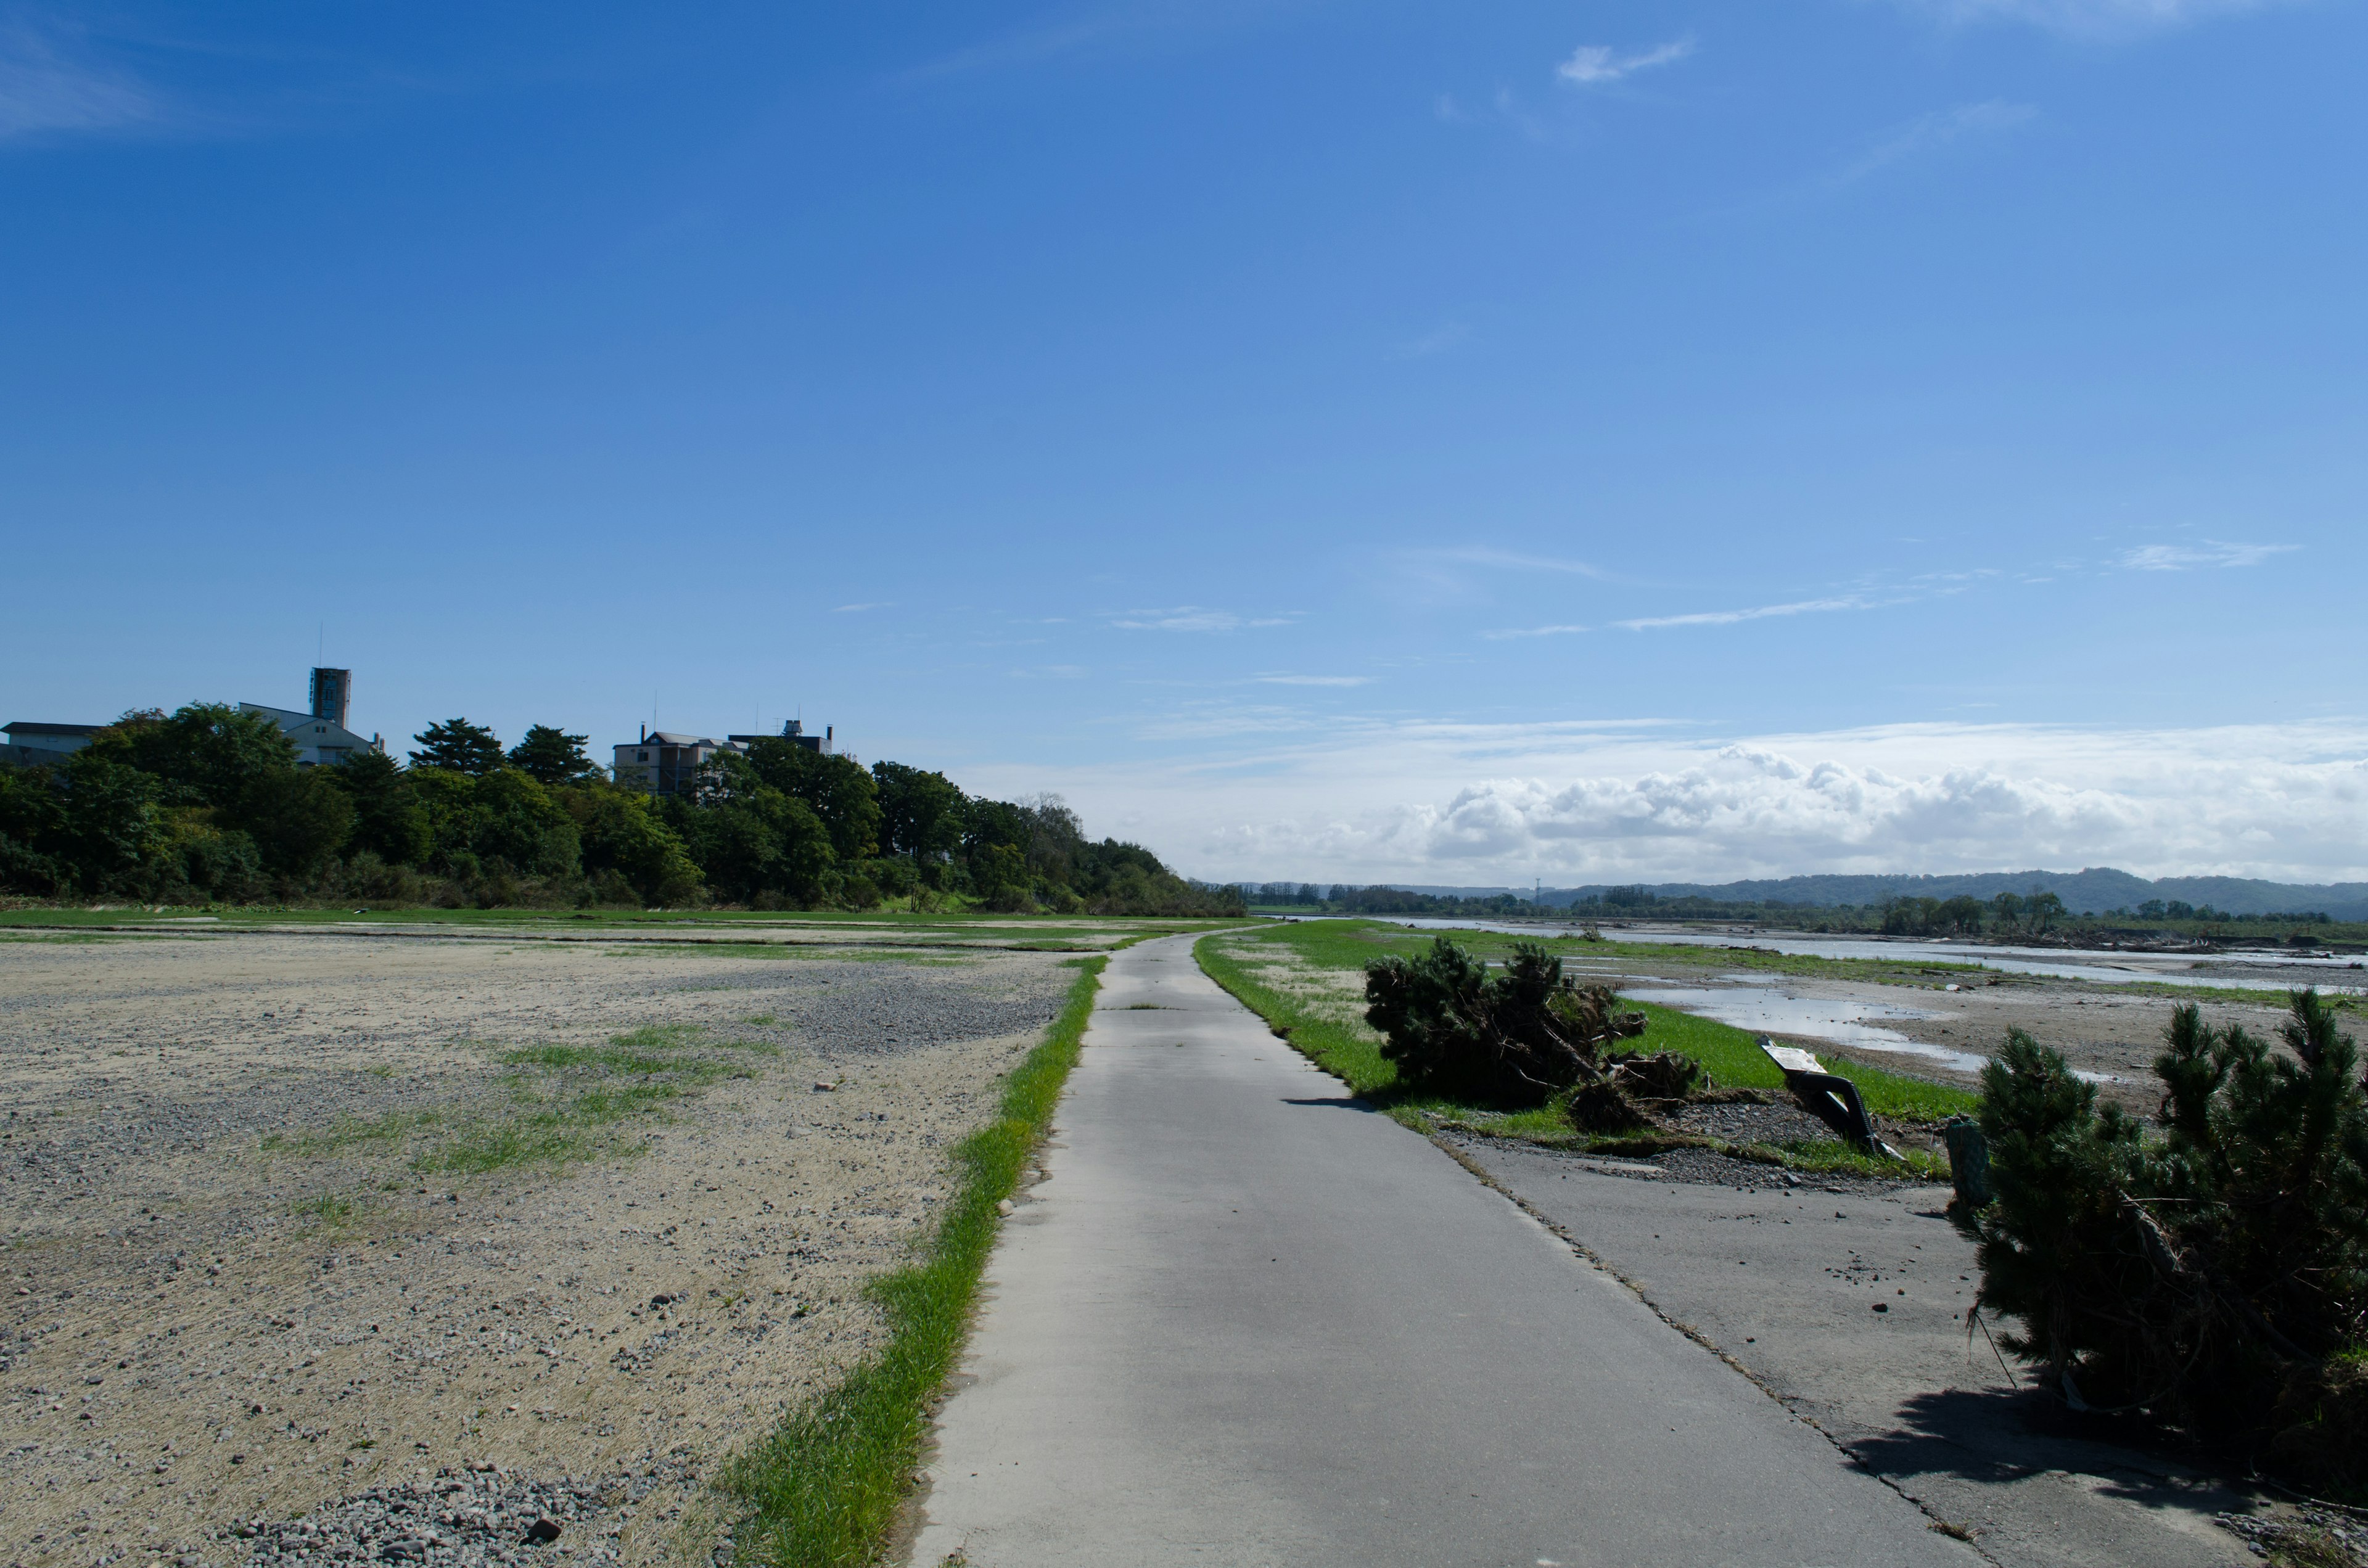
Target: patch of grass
(564, 1100)
(822, 1490)
(1735, 1060)
(347, 1132)
(329, 1208)
(633, 1074)
(1245, 963)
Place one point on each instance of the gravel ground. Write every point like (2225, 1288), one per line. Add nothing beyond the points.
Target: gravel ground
(244, 1280)
(1743, 1122)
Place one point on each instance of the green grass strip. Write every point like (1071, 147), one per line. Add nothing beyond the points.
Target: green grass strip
(822, 1489)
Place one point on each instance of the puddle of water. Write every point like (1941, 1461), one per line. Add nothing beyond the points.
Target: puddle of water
(1762, 1010)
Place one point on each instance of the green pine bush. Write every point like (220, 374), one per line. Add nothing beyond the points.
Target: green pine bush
(2214, 1274)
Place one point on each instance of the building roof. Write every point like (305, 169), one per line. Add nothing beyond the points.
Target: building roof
(290, 720)
(669, 738)
(22, 728)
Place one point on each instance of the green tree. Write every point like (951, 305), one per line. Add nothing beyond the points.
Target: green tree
(2042, 911)
(297, 819)
(2217, 1277)
(205, 754)
(552, 756)
(2007, 910)
(837, 789)
(501, 820)
(459, 746)
(32, 815)
(109, 824)
(753, 842)
(1961, 913)
(920, 812)
(388, 821)
(624, 839)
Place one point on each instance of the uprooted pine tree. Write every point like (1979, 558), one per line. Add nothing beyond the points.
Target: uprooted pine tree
(2213, 1274)
(1519, 1036)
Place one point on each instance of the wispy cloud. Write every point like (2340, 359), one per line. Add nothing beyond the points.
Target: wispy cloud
(2086, 18)
(1729, 616)
(1931, 133)
(1508, 633)
(1597, 64)
(858, 609)
(1510, 559)
(2191, 557)
(1192, 617)
(1313, 680)
(1050, 672)
(46, 87)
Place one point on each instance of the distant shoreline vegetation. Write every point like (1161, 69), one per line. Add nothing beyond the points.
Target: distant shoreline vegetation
(207, 805)
(2039, 916)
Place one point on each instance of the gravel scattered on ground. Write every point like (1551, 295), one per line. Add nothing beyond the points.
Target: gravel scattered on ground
(247, 1271)
(2307, 1537)
(468, 1518)
(1708, 1168)
(1744, 1123)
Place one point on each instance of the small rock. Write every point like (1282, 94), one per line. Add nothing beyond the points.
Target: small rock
(542, 1532)
(1005, 1208)
(1883, 1306)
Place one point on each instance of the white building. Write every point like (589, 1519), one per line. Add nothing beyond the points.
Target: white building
(30, 744)
(321, 736)
(666, 763)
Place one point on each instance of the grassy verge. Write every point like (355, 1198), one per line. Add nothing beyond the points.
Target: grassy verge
(1344, 1046)
(822, 1490)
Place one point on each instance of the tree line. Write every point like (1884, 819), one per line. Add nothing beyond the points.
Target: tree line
(207, 804)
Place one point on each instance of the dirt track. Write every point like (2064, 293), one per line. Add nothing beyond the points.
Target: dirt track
(250, 1266)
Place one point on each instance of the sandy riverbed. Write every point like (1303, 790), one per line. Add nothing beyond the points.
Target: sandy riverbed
(254, 1262)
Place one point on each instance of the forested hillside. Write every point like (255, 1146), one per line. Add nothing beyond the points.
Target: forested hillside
(207, 804)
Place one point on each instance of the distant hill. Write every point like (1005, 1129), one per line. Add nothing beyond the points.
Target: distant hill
(2093, 891)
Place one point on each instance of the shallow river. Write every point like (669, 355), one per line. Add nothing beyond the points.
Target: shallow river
(2239, 971)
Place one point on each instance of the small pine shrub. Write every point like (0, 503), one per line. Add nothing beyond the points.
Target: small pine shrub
(2215, 1274)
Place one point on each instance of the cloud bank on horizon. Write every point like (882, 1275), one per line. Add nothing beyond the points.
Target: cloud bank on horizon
(1614, 803)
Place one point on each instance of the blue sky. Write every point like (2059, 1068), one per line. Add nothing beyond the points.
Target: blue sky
(1453, 444)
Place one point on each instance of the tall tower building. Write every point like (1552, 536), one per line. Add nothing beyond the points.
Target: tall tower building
(332, 690)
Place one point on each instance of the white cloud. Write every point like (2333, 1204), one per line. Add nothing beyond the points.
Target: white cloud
(1050, 672)
(858, 609)
(2086, 19)
(1729, 616)
(1313, 680)
(1595, 64)
(1508, 634)
(1192, 617)
(44, 89)
(1440, 802)
(1931, 133)
(2188, 557)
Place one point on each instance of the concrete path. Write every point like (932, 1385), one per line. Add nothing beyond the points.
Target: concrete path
(1247, 1321)
(1786, 1280)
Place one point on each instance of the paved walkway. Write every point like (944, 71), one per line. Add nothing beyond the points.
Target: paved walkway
(1247, 1321)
